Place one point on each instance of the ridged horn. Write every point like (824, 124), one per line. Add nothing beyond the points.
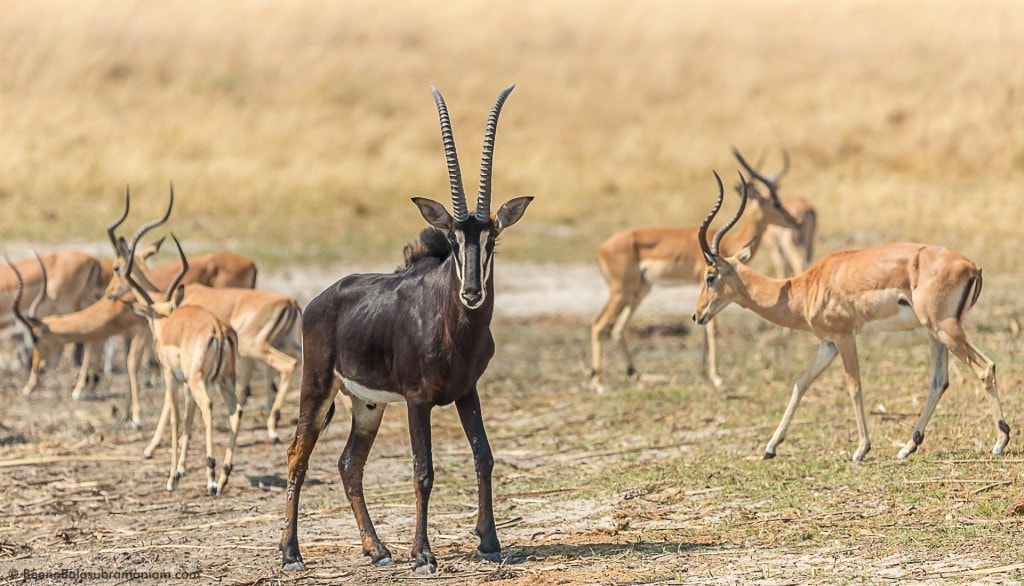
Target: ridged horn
(119, 221)
(732, 221)
(483, 198)
(454, 173)
(33, 310)
(16, 308)
(702, 232)
(181, 272)
(152, 223)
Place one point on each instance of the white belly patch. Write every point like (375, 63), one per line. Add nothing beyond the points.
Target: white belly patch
(369, 395)
(904, 319)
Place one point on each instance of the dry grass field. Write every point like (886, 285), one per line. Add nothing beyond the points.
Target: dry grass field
(295, 132)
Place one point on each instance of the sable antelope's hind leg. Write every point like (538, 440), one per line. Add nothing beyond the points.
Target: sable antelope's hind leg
(366, 418)
(473, 424)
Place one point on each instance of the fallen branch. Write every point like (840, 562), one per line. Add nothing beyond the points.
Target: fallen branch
(58, 459)
(991, 486)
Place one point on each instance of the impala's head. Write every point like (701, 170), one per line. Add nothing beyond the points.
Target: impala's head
(146, 307)
(471, 237)
(118, 285)
(770, 206)
(44, 346)
(720, 285)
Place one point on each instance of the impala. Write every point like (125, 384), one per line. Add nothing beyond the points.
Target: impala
(889, 287)
(633, 261)
(266, 323)
(419, 335)
(791, 250)
(199, 350)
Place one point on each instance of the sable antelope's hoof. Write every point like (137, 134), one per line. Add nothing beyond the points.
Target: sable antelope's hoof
(294, 566)
(494, 556)
(426, 563)
(384, 562)
(425, 569)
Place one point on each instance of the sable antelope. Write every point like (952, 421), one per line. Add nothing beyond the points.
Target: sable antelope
(266, 323)
(888, 287)
(90, 326)
(633, 261)
(74, 282)
(791, 250)
(420, 335)
(199, 350)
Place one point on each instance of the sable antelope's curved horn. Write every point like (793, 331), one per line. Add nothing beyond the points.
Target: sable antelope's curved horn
(732, 221)
(702, 232)
(454, 173)
(33, 310)
(181, 272)
(119, 221)
(483, 198)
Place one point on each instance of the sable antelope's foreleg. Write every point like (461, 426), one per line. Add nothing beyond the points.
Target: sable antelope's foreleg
(317, 398)
(424, 561)
(952, 335)
(711, 353)
(366, 418)
(937, 386)
(826, 354)
(851, 366)
(473, 424)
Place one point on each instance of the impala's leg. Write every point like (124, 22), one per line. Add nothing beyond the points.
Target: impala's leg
(952, 335)
(601, 324)
(711, 354)
(423, 476)
(851, 366)
(936, 387)
(315, 405)
(619, 330)
(826, 354)
(227, 390)
(245, 367)
(186, 435)
(35, 366)
(88, 374)
(796, 257)
(473, 424)
(285, 366)
(202, 399)
(366, 418)
(171, 403)
(165, 414)
(136, 348)
(772, 241)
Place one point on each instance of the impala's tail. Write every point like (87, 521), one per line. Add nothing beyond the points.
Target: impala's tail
(972, 292)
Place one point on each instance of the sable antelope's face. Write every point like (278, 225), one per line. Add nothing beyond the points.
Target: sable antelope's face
(472, 241)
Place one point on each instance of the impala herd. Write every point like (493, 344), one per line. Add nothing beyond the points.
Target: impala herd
(421, 335)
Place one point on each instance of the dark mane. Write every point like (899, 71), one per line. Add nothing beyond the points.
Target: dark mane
(432, 244)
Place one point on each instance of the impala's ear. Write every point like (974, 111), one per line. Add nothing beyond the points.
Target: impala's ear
(744, 254)
(511, 212)
(151, 249)
(122, 247)
(179, 294)
(434, 213)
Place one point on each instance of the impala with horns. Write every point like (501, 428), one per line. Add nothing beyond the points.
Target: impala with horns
(419, 335)
(89, 326)
(75, 281)
(199, 350)
(888, 287)
(266, 323)
(633, 261)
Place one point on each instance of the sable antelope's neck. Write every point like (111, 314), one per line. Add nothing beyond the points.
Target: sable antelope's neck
(776, 300)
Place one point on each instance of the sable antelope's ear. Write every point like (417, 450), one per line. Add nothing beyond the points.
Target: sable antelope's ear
(434, 213)
(179, 294)
(152, 249)
(511, 212)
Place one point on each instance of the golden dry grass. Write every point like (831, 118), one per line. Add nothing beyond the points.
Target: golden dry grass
(298, 130)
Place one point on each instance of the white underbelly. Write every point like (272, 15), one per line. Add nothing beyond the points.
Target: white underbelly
(369, 395)
(664, 273)
(902, 320)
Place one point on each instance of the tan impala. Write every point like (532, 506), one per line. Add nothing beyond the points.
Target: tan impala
(791, 250)
(266, 323)
(889, 287)
(633, 261)
(199, 350)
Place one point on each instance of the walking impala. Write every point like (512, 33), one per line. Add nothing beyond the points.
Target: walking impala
(199, 350)
(633, 261)
(791, 250)
(420, 335)
(266, 323)
(889, 287)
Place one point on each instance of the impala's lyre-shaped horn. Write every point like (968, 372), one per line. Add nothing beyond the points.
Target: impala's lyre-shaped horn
(702, 232)
(454, 173)
(119, 221)
(483, 198)
(732, 221)
(33, 310)
(16, 307)
(152, 223)
(181, 272)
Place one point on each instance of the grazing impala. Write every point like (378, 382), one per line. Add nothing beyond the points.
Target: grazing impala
(633, 261)
(791, 250)
(199, 350)
(419, 335)
(266, 323)
(889, 287)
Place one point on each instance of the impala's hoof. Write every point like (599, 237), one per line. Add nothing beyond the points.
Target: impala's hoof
(905, 452)
(213, 489)
(494, 556)
(768, 456)
(275, 439)
(295, 566)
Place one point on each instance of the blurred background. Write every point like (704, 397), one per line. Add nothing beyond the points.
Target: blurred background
(296, 132)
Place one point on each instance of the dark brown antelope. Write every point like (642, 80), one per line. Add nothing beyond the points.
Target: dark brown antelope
(420, 335)
(888, 287)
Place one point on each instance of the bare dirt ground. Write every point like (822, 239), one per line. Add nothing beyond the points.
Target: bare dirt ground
(659, 482)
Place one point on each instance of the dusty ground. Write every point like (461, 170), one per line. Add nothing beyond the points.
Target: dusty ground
(658, 482)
